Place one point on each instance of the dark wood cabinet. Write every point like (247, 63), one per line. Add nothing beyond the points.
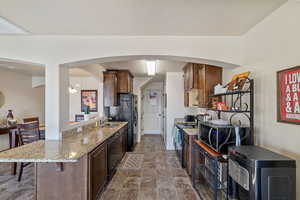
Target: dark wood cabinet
(115, 153)
(85, 179)
(114, 82)
(199, 82)
(110, 88)
(98, 171)
(125, 81)
(124, 132)
(209, 77)
(187, 152)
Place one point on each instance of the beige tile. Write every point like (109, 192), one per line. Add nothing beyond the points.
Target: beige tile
(179, 172)
(167, 194)
(148, 182)
(129, 194)
(110, 194)
(148, 194)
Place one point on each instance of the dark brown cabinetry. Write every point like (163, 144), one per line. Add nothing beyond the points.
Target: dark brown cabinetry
(199, 82)
(187, 152)
(110, 88)
(209, 77)
(114, 82)
(125, 81)
(115, 153)
(98, 171)
(85, 179)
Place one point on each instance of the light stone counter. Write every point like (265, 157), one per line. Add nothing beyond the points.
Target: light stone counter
(70, 149)
(191, 131)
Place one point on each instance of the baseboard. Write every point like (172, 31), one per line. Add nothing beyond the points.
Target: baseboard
(151, 132)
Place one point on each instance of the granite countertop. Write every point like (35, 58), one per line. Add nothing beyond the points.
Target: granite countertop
(182, 121)
(191, 131)
(70, 149)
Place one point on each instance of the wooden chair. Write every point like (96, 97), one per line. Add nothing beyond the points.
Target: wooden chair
(6, 131)
(35, 119)
(31, 119)
(27, 133)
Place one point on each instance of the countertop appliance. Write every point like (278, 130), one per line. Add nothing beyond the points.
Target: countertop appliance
(189, 118)
(259, 174)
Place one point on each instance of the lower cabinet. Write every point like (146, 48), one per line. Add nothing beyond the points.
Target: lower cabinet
(187, 152)
(98, 171)
(85, 179)
(115, 153)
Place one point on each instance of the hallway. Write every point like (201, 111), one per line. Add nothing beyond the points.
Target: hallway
(158, 176)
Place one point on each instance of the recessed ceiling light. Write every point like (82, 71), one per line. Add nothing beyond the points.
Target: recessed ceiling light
(151, 67)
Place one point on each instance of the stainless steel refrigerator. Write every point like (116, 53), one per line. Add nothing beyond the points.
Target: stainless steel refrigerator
(128, 112)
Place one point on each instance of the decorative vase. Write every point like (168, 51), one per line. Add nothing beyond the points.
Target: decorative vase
(10, 115)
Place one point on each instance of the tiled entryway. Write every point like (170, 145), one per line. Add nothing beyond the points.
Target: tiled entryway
(159, 178)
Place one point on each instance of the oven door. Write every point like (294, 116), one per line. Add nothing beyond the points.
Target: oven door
(239, 187)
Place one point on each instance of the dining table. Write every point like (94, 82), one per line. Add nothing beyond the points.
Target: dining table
(11, 130)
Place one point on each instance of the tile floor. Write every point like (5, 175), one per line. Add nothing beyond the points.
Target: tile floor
(11, 189)
(160, 177)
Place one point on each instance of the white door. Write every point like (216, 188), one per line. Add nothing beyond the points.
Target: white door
(152, 111)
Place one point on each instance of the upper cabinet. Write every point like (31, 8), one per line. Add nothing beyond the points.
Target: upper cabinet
(110, 88)
(125, 81)
(114, 82)
(199, 82)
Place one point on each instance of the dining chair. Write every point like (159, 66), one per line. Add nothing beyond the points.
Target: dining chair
(35, 119)
(27, 133)
(6, 131)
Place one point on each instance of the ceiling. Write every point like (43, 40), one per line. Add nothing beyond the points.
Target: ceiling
(137, 17)
(24, 68)
(138, 67)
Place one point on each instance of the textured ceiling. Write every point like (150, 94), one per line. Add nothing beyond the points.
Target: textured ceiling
(137, 17)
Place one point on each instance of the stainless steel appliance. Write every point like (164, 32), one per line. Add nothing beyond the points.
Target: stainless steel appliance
(178, 139)
(128, 112)
(259, 174)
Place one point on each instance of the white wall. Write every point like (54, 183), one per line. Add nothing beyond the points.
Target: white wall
(85, 83)
(24, 100)
(138, 83)
(175, 103)
(270, 46)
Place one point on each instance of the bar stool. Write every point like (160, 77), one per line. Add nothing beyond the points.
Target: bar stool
(27, 133)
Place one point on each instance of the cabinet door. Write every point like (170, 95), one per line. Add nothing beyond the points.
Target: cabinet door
(98, 171)
(125, 84)
(115, 153)
(110, 84)
(213, 76)
(124, 135)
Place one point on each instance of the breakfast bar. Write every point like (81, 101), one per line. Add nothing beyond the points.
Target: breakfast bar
(77, 167)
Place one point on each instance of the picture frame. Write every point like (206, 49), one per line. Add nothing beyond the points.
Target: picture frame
(288, 95)
(89, 98)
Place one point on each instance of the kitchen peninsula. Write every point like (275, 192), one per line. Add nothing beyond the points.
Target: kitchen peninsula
(77, 167)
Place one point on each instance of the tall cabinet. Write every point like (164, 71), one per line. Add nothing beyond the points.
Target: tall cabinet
(199, 82)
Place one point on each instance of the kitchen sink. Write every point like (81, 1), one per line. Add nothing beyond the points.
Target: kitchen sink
(110, 124)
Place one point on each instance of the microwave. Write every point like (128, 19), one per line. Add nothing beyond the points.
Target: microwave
(255, 173)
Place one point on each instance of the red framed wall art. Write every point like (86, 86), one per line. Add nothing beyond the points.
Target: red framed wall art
(288, 95)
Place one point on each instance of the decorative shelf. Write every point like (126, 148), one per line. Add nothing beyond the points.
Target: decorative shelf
(220, 126)
(231, 93)
(230, 111)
